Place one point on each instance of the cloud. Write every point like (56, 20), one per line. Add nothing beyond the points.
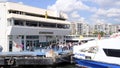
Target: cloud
(98, 21)
(113, 12)
(75, 14)
(102, 11)
(110, 13)
(82, 19)
(107, 3)
(117, 3)
(20, 2)
(68, 5)
(76, 17)
(117, 19)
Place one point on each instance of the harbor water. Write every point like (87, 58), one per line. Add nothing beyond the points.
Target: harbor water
(62, 65)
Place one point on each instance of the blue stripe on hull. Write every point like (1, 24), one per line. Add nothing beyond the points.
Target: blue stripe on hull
(94, 64)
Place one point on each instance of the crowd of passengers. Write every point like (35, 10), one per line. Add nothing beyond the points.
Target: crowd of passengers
(56, 46)
(62, 46)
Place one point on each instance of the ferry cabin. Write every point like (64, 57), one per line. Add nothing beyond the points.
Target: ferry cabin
(22, 25)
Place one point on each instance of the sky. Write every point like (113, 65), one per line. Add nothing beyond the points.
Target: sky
(87, 11)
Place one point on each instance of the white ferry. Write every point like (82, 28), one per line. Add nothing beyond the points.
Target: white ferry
(103, 53)
(22, 25)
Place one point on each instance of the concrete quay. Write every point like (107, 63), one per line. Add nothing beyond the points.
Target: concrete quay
(19, 59)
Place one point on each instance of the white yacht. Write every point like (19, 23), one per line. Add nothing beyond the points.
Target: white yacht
(103, 53)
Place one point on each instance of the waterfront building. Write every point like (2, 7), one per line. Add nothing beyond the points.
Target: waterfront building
(73, 28)
(22, 25)
(81, 28)
(118, 27)
(107, 28)
(113, 29)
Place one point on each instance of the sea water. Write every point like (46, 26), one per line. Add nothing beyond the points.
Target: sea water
(62, 65)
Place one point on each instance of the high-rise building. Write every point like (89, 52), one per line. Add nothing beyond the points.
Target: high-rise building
(81, 28)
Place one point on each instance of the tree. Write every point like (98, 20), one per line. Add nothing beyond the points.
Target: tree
(101, 33)
(95, 33)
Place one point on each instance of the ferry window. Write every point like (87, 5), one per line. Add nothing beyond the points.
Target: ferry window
(35, 15)
(67, 26)
(64, 26)
(112, 52)
(13, 11)
(18, 22)
(41, 24)
(60, 25)
(31, 23)
(53, 25)
(27, 23)
(32, 37)
(10, 46)
(22, 36)
(10, 11)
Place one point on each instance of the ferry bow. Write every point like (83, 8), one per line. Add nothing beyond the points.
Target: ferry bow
(102, 53)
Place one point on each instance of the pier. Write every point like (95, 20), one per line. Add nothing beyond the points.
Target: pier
(32, 58)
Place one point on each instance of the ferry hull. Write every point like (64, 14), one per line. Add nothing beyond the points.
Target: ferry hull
(94, 64)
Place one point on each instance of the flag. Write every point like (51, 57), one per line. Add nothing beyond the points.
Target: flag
(46, 15)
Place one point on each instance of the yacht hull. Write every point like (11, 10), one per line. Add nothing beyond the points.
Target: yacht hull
(94, 64)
